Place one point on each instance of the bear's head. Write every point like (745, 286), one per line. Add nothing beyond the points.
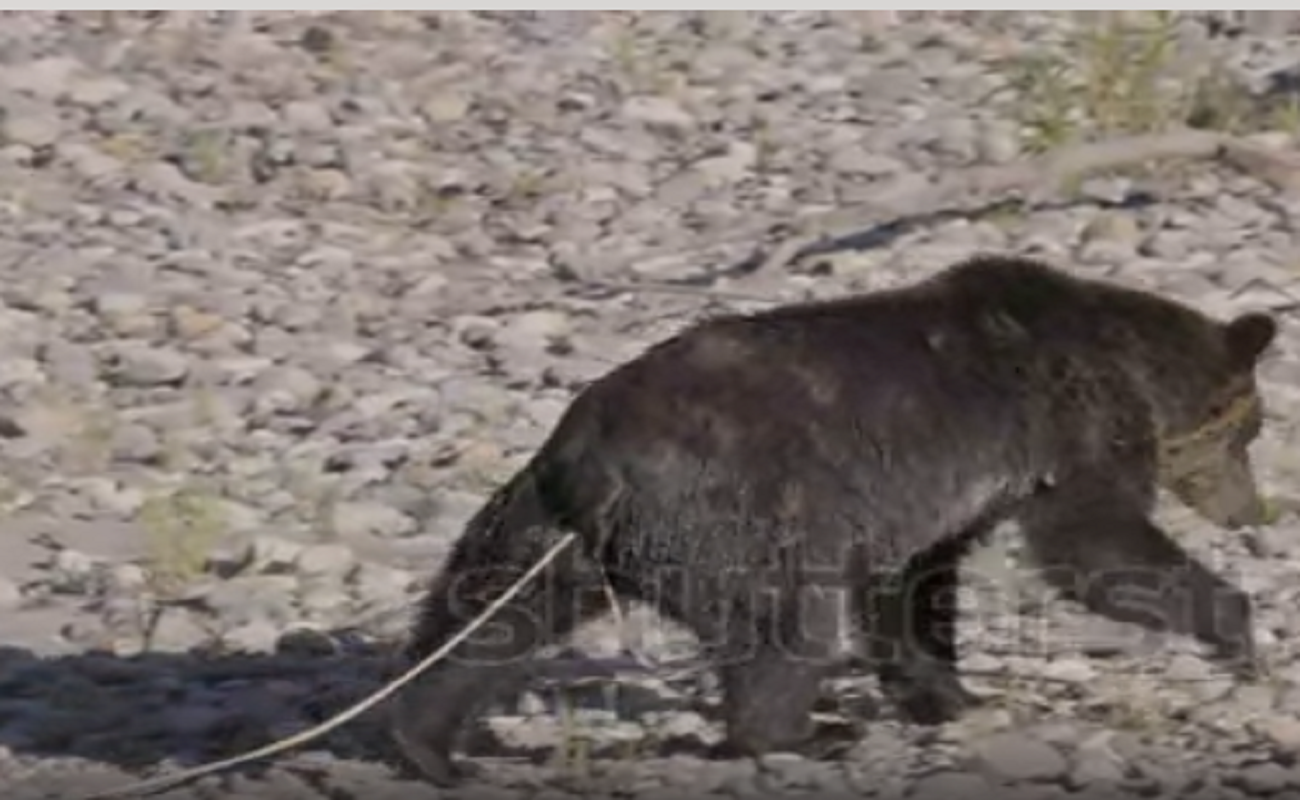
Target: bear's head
(1205, 461)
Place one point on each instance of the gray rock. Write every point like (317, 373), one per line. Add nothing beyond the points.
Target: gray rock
(136, 443)
(46, 78)
(33, 128)
(1015, 757)
(285, 390)
(249, 598)
(69, 365)
(731, 167)
(534, 330)
(127, 578)
(790, 771)
(1097, 762)
(943, 785)
(1188, 668)
(380, 583)
(1094, 768)
(1270, 542)
(11, 595)
(178, 632)
(323, 598)
(142, 366)
(73, 571)
(356, 519)
(1070, 670)
(96, 90)
(306, 115)
(446, 107)
(1259, 699)
(1283, 732)
(269, 554)
(998, 143)
(254, 636)
(1264, 779)
(325, 561)
(658, 112)
(684, 725)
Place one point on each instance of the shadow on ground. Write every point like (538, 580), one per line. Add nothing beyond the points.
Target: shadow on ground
(162, 711)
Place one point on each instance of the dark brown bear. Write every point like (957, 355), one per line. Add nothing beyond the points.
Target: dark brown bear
(734, 475)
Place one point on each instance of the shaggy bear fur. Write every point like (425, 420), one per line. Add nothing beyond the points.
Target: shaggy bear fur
(733, 476)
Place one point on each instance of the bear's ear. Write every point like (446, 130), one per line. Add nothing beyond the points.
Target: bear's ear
(1248, 335)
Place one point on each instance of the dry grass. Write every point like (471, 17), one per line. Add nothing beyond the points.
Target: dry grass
(1125, 73)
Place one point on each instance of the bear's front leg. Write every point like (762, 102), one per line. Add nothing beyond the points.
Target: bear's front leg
(1116, 562)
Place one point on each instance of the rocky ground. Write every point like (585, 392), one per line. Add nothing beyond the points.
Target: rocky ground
(284, 296)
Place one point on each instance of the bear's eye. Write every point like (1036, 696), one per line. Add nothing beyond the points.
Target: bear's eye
(1250, 428)
(1232, 411)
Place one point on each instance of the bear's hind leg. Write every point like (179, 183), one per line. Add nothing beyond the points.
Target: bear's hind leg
(430, 711)
(771, 674)
(1115, 561)
(910, 623)
(768, 704)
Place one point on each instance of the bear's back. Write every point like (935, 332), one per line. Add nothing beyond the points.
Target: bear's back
(966, 354)
(919, 407)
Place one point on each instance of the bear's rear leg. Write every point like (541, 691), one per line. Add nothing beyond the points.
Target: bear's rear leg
(768, 702)
(771, 675)
(1116, 562)
(430, 712)
(910, 623)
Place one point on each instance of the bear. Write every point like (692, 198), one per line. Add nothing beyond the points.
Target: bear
(737, 475)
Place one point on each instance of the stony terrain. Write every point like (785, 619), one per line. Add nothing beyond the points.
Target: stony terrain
(284, 296)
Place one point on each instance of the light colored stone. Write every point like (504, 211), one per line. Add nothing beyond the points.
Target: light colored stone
(1015, 757)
